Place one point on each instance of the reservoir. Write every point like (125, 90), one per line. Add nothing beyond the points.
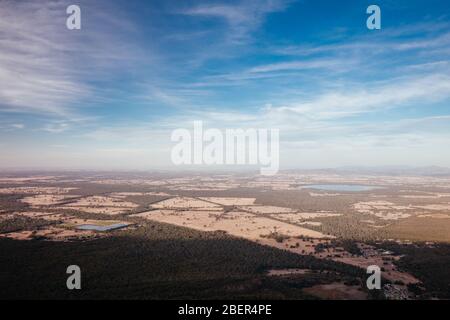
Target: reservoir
(102, 228)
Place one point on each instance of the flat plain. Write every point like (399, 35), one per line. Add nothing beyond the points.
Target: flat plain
(203, 235)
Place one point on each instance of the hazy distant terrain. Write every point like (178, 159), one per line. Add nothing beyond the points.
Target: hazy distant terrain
(297, 235)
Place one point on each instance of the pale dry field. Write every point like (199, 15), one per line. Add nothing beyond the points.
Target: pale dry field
(101, 205)
(102, 201)
(122, 195)
(435, 215)
(240, 224)
(266, 209)
(185, 203)
(98, 210)
(384, 210)
(46, 200)
(49, 216)
(229, 201)
(299, 217)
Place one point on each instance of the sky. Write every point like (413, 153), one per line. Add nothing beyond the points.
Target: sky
(109, 95)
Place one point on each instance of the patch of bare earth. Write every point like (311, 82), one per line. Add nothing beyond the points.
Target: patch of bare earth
(336, 291)
(46, 200)
(299, 217)
(240, 224)
(101, 204)
(186, 203)
(229, 201)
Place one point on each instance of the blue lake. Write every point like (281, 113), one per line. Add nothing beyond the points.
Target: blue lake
(342, 187)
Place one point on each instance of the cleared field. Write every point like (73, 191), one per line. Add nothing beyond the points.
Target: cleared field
(98, 210)
(184, 203)
(266, 209)
(228, 201)
(299, 217)
(384, 210)
(435, 215)
(49, 216)
(101, 205)
(423, 228)
(46, 200)
(102, 201)
(240, 224)
(122, 195)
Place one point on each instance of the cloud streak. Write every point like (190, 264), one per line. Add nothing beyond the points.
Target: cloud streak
(241, 18)
(395, 93)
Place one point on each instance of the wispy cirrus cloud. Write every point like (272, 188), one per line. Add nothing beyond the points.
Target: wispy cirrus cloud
(365, 99)
(34, 77)
(47, 69)
(241, 18)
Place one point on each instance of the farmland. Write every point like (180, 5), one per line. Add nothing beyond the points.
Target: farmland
(223, 235)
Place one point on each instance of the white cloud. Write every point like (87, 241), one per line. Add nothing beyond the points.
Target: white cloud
(242, 18)
(299, 65)
(356, 100)
(18, 125)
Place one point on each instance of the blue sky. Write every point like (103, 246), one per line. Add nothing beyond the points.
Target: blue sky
(109, 95)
